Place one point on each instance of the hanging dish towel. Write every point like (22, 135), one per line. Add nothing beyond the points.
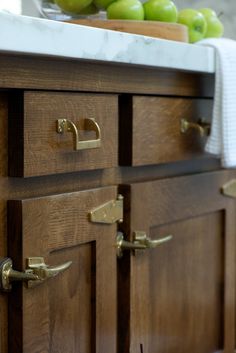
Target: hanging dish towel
(222, 140)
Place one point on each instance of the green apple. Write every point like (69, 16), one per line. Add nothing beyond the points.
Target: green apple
(126, 10)
(89, 10)
(73, 6)
(196, 23)
(160, 10)
(215, 28)
(103, 4)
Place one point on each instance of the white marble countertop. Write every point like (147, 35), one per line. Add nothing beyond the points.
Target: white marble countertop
(30, 35)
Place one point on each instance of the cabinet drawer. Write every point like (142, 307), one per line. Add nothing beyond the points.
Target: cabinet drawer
(150, 129)
(37, 148)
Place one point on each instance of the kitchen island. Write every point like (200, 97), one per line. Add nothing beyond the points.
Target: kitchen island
(110, 210)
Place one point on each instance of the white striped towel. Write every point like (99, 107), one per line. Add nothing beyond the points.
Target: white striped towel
(222, 140)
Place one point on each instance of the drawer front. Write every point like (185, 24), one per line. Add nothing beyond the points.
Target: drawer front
(36, 147)
(150, 129)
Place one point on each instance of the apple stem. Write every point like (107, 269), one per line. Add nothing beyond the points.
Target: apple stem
(220, 14)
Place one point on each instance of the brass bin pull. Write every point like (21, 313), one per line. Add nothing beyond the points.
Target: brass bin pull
(202, 127)
(36, 272)
(141, 242)
(65, 125)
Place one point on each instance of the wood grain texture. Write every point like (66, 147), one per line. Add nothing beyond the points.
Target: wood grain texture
(170, 31)
(77, 310)
(176, 291)
(186, 286)
(41, 73)
(11, 188)
(36, 147)
(150, 129)
(74, 75)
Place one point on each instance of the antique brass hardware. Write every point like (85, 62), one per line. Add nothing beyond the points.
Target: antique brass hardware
(108, 213)
(229, 189)
(141, 242)
(122, 245)
(202, 127)
(36, 272)
(65, 125)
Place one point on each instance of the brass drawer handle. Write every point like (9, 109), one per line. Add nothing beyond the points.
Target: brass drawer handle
(65, 125)
(202, 127)
(229, 188)
(141, 242)
(36, 273)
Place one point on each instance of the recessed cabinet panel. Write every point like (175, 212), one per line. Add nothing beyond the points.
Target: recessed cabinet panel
(181, 292)
(74, 311)
(152, 129)
(54, 132)
(186, 284)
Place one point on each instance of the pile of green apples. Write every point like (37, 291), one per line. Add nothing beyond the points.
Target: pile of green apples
(202, 23)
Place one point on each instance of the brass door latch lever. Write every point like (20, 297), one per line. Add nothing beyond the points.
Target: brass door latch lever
(36, 273)
(140, 242)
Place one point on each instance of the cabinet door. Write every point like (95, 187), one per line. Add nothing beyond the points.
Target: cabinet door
(74, 312)
(179, 296)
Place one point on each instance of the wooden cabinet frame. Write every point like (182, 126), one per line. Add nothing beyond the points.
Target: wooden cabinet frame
(161, 308)
(76, 311)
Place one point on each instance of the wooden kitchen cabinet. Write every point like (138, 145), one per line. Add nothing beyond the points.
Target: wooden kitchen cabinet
(151, 133)
(37, 148)
(75, 311)
(176, 298)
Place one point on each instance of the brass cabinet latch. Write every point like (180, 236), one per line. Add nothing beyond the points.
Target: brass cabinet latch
(229, 189)
(108, 213)
(140, 242)
(36, 272)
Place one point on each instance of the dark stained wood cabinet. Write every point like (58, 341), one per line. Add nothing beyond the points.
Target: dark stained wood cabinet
(150, 128)
(36, 148)
(181, 293)
(75, 311)
(176, 298)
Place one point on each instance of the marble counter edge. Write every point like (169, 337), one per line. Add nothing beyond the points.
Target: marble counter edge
(30, 35)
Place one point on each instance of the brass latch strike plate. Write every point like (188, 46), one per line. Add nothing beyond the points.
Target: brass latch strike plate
(108, 213)
(229, 189)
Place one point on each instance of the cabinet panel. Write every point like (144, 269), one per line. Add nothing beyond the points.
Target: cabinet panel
(36, 147)
(150, 129)
(76, 310)
(180, 294)
(186, 284)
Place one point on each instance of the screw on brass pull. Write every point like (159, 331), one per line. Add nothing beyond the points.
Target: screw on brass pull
(65, 125)
(141, 242)
(202, 127)
(36, 273)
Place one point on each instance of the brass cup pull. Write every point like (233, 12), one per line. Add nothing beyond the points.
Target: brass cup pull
(203, 128)
(65, 125)
(141, 242)
(36, 272)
